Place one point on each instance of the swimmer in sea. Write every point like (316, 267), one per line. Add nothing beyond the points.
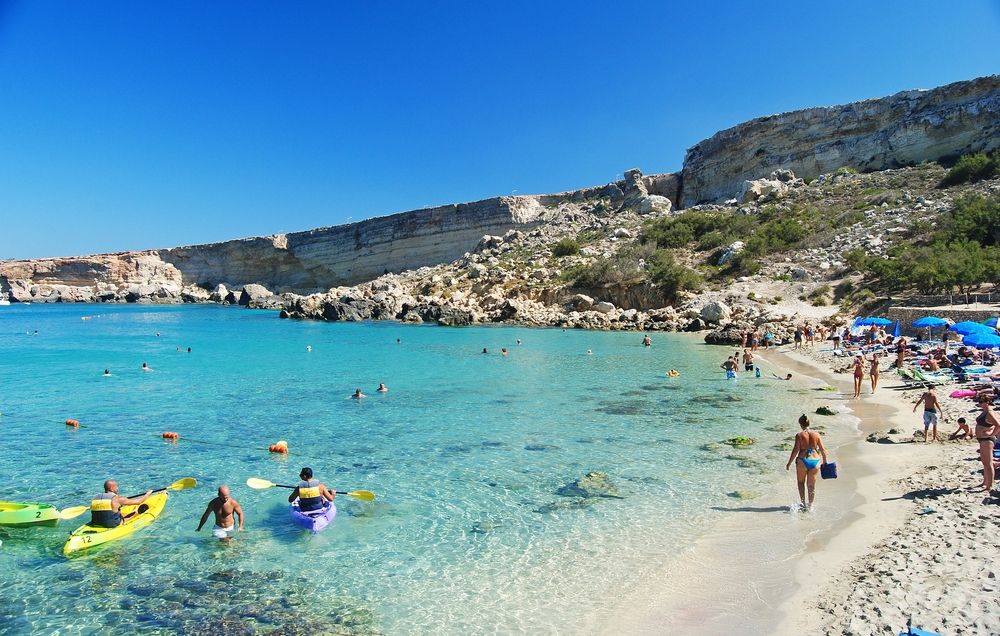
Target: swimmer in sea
(808, 443)
(503, 351)
(107, 372)
(398, 340)
(145, 367)
(157, 334)
(382, 388)
(730, 366)
(788, 377)
(484, 350)
(358, 395)
(519, 342)
(225, 508)
(646, 342)
(309, 348)
(589, 352)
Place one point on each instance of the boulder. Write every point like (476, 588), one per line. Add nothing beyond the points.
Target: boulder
(715, 313)
(734, 248)
(580, 302)
(731, 334)
(454, 317)
(233, 297)
(604, 307)
(194, 294)
(476, 270)
(253, 293)
(635, 188)
(219, 294)
(593, 484)
(654, 203)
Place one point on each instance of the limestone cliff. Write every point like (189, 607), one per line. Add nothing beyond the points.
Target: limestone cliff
(313, 260)
(874, 134)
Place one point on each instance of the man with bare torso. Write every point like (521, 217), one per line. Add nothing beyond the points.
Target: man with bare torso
(224, 508)
(931, 409)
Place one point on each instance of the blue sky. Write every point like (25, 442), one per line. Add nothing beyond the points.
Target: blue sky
(127, 126)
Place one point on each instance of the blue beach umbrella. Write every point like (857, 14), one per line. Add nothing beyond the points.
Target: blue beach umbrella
(929, 321)
(871, 320)
(992, 322)
(982, 340)
(967, 327)
(895, 332)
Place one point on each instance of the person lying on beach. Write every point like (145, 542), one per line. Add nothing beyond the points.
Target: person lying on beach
(357, 395)
(224, 508)
(963, 432)
(808, 443)
(931, 409)
(789, 377)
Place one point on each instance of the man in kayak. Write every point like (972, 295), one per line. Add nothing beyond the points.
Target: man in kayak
(105, 507)
(224, 508)
(310, 492)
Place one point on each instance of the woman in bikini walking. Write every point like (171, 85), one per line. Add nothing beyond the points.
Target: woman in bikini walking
(859, 375)
(873, 371)
(987, 426)
(808, 444)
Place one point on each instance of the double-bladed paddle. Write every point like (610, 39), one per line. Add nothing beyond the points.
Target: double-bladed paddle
(260, 484)
(180, 484)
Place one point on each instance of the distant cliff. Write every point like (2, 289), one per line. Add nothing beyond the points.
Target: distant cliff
(309, 261)
(874, 134)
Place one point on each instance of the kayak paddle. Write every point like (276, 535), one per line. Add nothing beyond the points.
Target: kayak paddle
(260, 484)
(180, 484)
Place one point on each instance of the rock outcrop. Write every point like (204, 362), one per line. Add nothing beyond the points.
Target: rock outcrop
(874, 134)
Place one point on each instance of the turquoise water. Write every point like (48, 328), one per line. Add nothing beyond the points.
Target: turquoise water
(465, 453)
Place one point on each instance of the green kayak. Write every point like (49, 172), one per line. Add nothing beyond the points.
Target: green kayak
(28, 514)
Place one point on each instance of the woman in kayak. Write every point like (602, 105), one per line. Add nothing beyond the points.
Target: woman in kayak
(310, 492)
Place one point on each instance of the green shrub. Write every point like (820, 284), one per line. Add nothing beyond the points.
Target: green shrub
(784, 277)
(671, 277)
(808, 180)
(711, 241)
(566, 247)
(975, 167)
(624, 268)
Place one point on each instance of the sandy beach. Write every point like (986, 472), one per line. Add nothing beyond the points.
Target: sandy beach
(899, 535)
(914, 545)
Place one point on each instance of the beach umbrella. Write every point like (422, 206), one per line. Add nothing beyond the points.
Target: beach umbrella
(871, 320)
(992, 322)
(982, 340)
(966, 327)
(895, 332)
(929, 321)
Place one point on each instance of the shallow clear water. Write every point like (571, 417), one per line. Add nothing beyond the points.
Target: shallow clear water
(465, 452)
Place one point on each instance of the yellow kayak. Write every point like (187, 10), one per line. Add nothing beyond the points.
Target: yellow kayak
(86, 537)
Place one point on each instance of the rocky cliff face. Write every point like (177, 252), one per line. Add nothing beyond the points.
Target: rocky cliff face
(875, 134)
(314, 260)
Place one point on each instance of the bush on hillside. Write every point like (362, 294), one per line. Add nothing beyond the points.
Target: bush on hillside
(671, 277)
(974, 167)
(566, 247)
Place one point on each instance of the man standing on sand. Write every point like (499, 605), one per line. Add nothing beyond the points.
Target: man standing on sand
(224, 508)
(931, 409)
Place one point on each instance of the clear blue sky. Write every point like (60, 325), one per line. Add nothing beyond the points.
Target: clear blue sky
(130, 125)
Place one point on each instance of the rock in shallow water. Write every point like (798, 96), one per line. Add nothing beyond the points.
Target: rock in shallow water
(594, 484)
